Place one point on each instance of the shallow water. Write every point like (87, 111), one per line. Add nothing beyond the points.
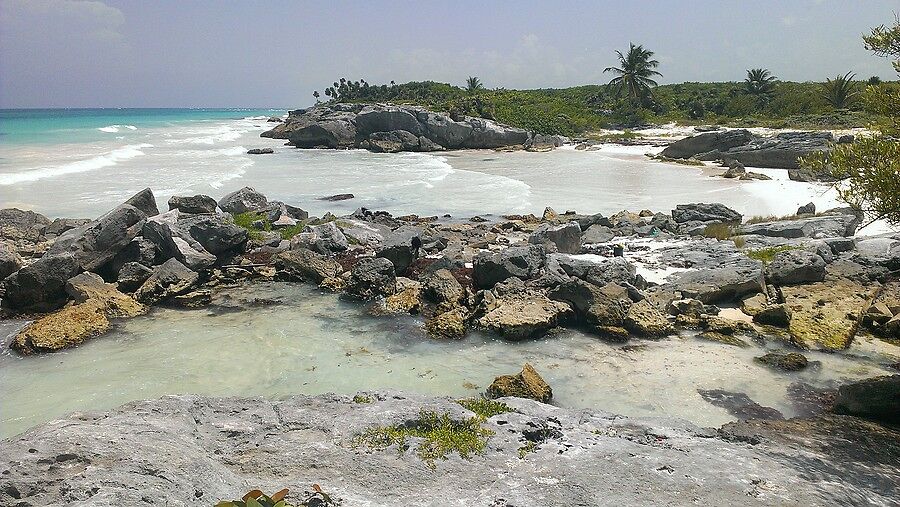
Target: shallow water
(314, 342)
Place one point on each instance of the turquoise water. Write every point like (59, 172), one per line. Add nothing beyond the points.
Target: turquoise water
(49, 126)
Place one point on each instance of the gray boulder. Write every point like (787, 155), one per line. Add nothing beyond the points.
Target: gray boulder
(216, 233)
(335, 131)
(371, 278)
(132, 275)
(397, 247)
(40, 285)
(168, 279)
(807, 209)
(325, 239)
(875, 398)
(597, 234)
(378, 118)
(781, 151)
(490, 134)
(728, 281)
(195, 204)
(21, 228)
(144, 201)
(442, 287)
(98, 242)
(827, 226)
(10, 261)
(60, 225)
(706, 142)
(443, 130)
(172, 243)
(303, 264)
(521, 262)
(702, 212)
(243, 200)
(393, 141)
(793, 267)
(566, 238)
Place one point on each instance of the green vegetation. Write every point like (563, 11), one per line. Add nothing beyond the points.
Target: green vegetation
(440, 435)
(767, 254)
(483, 407)
(362, 398)
(614, 137)
(473, 84)
(720, 231)
(868, 170)
(246, 220)
(527, 448)
(840, 92)
(761, 84)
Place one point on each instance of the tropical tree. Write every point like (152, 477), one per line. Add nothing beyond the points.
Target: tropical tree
(841, 91)
(635, 73)
(868, 170)
(760, 82)
(473, 84)
(316, 95)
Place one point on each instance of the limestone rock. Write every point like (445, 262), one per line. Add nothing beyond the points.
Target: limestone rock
(442, 287)
(243, 200)
(794, 267)
(875, 398)
(372, 277)
(789, 361)
(702, 212)
(10, 261)
(521, 262)
(96, 243)
(565, 238)
(450, 324)
(305, 264)
(325, 239)
(826, 315)
(196, 204)
(644, 319)
(526, 384)
(41, 284)
(172, 278)
(521, 316)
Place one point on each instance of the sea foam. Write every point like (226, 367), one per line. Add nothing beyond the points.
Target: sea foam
(106, 160)
(115, 128)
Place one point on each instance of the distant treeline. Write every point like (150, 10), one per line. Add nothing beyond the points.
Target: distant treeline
(580, 109)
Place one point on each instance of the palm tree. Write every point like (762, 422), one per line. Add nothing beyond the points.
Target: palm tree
(635, 72)
(316, 95)
(840, 91)
(759, 82)
(473, 84)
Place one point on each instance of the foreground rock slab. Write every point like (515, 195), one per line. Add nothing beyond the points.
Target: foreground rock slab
(207, 449)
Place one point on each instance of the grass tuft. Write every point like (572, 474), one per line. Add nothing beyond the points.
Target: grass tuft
(767, 254)
(484, 408)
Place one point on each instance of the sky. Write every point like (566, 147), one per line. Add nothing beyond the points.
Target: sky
(254, 53)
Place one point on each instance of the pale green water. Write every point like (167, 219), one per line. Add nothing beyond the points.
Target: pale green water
(315, 343)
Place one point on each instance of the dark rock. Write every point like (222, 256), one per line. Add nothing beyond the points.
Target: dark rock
(377, 118)
(565, 238)
(846, 139)
(701, 212)
(398, 247)
(774, 315)
(196, 204)
(61, 225)
(875, 398)
(337, 197)
(781, 151)
(523, 315)
(22, 227)
(739, 405)
(597, 234)
(172, 278)
(790, 361)
(243, 200)
(324, 239)
(490, 134)
(260, 151)
(173, 243)
(305, 264)
(807, 209)
(132, 275)
(98, 242)
(521, 262)
(40, 285)
(730, 280)
(144, 201)
(794, 267)
(442, 287)
(827, 226)
(372, 277)
(216, 233)
(394, 141)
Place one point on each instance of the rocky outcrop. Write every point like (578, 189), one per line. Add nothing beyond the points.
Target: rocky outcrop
(564, 238)
(392, 128)
(522, 262)
(701, 212)
(40, 285)
(643, 319)
(211, 449)
(794, 267)
(523, 315)
(780, 151)
(303, 264)
(826, 315)
(826, 226)
(324, 239)
(525, 384)
(23, 230)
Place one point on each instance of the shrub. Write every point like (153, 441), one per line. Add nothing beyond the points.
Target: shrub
(767, 254)
(483, 407)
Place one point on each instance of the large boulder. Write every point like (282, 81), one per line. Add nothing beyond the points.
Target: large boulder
(522, 262)
(598, 307)
(144, 201)
(702, 212)
(132, 275)
(335, 131)
(781, 151)
(393, 141)
(372, 277)
(243, 200)
(706, 142)
(397, 247)
(303, 264)
(217, 233)
(195, 204)
(325, 239)
(10, 261)
(728, 281)
(442, 287)
(524, 315)
(644, 319)
(827, 226)
(169, 279)
(490, 134)
(526, 384)
(826, 315)
(172, 243)
(377, 118)
(95, 302)
(443, 130)
(875, 398)
(794, 267)
(41, 284)
(566, 238)
(96, 243)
